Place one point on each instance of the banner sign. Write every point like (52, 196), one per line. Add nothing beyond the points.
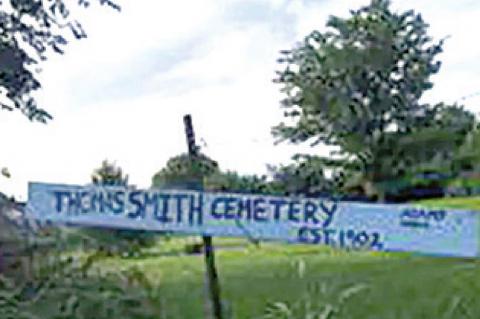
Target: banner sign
(383, 227)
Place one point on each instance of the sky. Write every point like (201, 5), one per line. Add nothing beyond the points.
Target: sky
(121, 93)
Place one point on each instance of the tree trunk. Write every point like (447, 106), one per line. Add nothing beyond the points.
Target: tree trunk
(373, 191)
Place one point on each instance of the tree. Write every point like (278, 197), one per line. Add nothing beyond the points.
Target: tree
(234, 182)
(28, 30)
(305, 176)
(465, 166)
(185, 170)
(357, 87)
(109, 174)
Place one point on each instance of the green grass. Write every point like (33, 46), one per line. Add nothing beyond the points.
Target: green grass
(309, 277)
(295, 281)
(454, 202)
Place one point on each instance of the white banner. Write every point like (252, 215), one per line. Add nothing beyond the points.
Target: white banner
(384, 227)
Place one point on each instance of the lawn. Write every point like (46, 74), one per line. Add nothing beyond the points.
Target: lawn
(315, 279)
(299, 281)
(457, 202)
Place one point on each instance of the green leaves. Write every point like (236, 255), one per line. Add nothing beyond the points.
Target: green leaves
(233, 182)
(185, 169)
(357, 86)
(36, 25)
(109, 174)
(360, 66)
(306, 176)
(66, 292)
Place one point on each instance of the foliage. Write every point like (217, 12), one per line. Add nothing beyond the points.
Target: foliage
(306, 176)
(467, 158)
(110, 175)
(357, 87)
(234, 182)
(364, 75)
(185, 170)
(66, 290)
(29, 29)
(62, 284)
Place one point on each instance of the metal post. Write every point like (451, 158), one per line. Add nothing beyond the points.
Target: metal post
(212, 276)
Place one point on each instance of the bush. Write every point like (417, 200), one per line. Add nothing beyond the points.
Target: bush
(117, 241)
(65, 289)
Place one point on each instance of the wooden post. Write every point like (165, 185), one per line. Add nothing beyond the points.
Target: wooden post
(212, 276)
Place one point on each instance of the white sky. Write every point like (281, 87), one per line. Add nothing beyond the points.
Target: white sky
(121, 93)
